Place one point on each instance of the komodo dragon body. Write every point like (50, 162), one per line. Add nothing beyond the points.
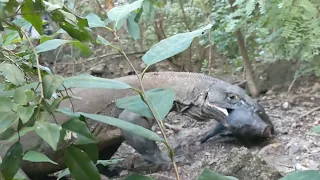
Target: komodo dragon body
(199, 96)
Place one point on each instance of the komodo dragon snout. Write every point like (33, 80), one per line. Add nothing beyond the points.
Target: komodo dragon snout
(236, 111)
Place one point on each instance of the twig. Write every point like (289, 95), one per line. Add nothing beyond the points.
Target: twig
(159, 122)
(309, 112)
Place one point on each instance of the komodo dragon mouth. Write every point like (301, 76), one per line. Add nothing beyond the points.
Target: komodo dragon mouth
(235, 111)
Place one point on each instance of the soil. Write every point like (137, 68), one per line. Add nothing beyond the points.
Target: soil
(293, 114)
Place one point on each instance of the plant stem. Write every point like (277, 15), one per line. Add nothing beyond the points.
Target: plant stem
(159, 122)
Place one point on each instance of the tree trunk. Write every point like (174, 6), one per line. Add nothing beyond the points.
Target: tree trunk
(246, 62)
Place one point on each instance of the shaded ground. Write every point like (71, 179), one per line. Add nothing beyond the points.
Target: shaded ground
(293, 115)
(290, 150)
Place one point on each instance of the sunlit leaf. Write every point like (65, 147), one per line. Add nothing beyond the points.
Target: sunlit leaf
(50, 84)
(31, 11)
(34, 156)
(49, 132)
(88, 81)
(161, 98)
(172, 46)
(133, 26)
(119, 13)
(25, 113)
(12, 73)
(302, 175)
(127, 126)
(95, 21)
(50, 45)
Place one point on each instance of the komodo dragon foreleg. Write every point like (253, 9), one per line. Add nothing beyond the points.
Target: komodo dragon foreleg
(147, 148)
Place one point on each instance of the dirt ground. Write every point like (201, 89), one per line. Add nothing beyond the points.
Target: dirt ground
(293, 115)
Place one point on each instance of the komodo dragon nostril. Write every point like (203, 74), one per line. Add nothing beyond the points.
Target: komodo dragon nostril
(267, 132)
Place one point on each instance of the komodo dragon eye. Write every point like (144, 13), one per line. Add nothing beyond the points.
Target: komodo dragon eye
(233, 97)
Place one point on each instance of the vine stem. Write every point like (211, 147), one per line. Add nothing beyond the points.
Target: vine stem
(38, 65)
(159, 122)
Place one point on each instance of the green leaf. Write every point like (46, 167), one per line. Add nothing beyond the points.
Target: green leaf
(88, 81)
(109, 162)
(22, 96)
(16, 135)
(208, 174)
(49, 132)
(6, 119)
(84, 48)
(138, 177)
(50, 45)
(148, 9)
(302, 175)
(34, 156)
(65, 172)
(79, 127)
(25, 113)
(161, 98)
(120, 13)
(12, 73)
(5, 104)
(11, 161)
(127, 126)
(316, 129)
(50, 84)
(101, 40)
(95, 21)
(133, 26)
(80, 165)
(172, 46)
(91, 150)
(31, 11)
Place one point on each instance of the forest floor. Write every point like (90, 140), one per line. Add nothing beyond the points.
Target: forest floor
(293, 115)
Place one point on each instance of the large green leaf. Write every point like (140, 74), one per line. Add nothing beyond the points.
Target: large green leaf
(12, 73)
(34, 156)
(80, 165)
(161, 98)
(101, 40)
(50, 45)
(138, 177)
(88, 81)
(6, 119)
(22, 96)
(84, 136)
(120, 13)
(148, 9)
(50, 84)
(207, 174)
(31, 11)
(95, 21)
(11, 161)
(5, 104)
(25, 113)
(49, 132)
(91, 150)
(172, 46)
(133, 26)
(84, 48)
(138, 130)
(302, 175)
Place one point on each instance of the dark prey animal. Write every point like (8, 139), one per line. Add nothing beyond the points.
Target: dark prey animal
(198, 96)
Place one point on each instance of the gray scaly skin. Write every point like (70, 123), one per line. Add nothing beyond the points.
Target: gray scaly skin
(197, 95)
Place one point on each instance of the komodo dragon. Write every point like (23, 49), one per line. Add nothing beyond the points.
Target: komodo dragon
(198, 96)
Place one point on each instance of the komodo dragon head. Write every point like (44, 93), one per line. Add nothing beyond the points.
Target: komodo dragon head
(234, 109)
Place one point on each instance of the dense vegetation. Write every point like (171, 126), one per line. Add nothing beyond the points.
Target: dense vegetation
(186, 32)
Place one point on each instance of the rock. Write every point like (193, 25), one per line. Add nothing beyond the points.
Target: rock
(98, 70)
(286, 105)
(242, 164)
